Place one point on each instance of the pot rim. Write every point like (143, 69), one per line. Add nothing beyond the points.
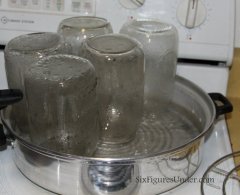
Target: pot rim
(70, 157)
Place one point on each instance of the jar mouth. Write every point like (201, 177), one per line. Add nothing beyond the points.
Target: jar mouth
(84, 22)
(111, 44)
(35, 42)
(150, 26)
(60, 67)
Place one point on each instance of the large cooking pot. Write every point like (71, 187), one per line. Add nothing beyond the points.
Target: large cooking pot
(167, 150)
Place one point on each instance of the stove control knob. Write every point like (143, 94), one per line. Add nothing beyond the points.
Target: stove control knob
(132, 4)
(191, 13)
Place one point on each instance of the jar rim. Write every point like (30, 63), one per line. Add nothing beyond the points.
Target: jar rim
(47, 41)
(111, 44)
(150, 25)
(51, 67)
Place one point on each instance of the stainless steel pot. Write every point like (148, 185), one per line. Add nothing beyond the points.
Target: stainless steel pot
(161, 157)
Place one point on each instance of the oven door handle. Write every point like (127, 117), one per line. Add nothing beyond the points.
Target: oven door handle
(8, 97)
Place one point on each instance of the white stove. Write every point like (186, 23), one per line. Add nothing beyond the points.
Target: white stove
(206, 33)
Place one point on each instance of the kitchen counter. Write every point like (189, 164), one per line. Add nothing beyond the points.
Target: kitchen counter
(233, 93)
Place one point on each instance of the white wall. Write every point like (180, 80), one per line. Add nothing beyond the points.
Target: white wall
(237, 35)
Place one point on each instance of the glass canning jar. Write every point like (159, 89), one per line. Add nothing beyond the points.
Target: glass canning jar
(61, 104)
(76, 29)
(20, 53)
(160, 45)
(119, 64)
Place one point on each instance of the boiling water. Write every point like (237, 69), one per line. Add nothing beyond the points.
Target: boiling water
(157, 133)
(65, 144)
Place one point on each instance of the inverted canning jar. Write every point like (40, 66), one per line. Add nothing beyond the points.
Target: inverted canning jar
(160, 45)
(20, 53)
(119, 64)
(76, 29)
(62, 108)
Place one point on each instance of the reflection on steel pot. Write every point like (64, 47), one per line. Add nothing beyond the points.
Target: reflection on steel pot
(134, 168)
(114, 178)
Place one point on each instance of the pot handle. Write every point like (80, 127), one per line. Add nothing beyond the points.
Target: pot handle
(3, 138)
(222, 104)
(8, 97)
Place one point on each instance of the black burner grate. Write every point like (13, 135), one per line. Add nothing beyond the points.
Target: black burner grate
(223, 176)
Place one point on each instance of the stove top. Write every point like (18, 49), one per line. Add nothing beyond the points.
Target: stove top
(13, 182)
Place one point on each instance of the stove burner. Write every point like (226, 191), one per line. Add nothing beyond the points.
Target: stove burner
(223, 176)
(231, 175)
